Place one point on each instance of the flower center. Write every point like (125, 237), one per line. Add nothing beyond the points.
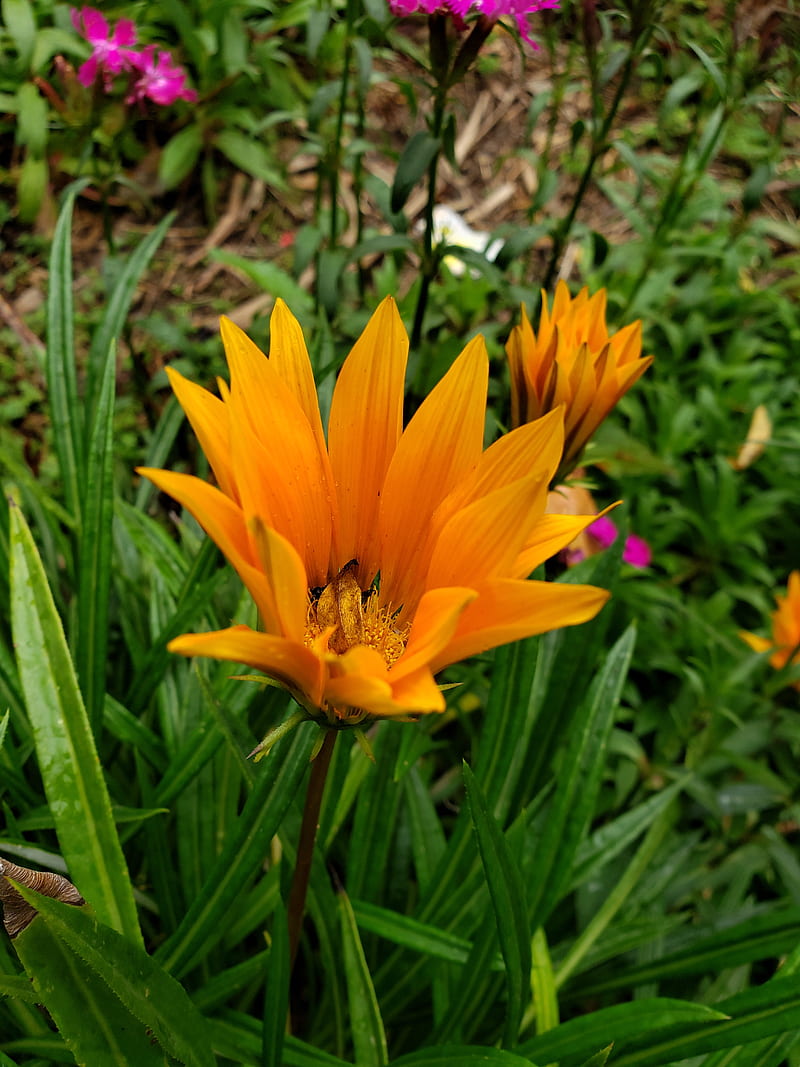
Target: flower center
(357, 618)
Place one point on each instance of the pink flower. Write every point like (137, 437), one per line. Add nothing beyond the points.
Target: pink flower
(111, 53)
(158, 79)
(519, 10)
(637, 552)
(603, 531)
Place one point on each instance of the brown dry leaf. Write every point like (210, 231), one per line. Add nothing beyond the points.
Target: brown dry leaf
(758, 437)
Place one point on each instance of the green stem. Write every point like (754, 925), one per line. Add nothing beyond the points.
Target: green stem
(305, 846)
(429, 262)
(599, 145)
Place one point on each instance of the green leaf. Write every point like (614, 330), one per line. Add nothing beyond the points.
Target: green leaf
(31, 119)
(543, 984)
(68, 762)
(578, 780)
(94, 552)
(20, 23)
(585, 1035)
(179, 156)
(116, 310)
(414, 161)
(93, 1022)
(249, 155)
(19, 987)
(150, 994)
(508, 897)
(271, 279)
(31, 187)
(369, 1038)
(208, 917)
(763, 1011)
(276, 1002)
(466, 1055)
(412, 934)
(758, 937)
(66, 417)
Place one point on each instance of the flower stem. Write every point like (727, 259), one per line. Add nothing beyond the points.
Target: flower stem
(305, 846)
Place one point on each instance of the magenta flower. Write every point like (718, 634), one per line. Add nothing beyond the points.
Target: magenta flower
(637, 552)
(603, 531)
(111, 53)
(519, 10)
(159, 80)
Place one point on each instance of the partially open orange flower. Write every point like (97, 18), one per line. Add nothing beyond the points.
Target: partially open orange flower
(785, 641)
(383, 556)
(572, 361)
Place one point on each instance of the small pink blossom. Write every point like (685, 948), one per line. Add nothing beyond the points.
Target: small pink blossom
(603, 531)
(111, 53)
(159, 80)
(637, 552)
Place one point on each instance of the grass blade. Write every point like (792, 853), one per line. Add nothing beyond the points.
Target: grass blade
(369, 1038)
(94, 551)
(65, 415)
(508, 898)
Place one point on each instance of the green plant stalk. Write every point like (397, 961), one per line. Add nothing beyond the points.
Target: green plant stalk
(598, 148)
(336, 162)
(305, 845)
(681, 189)
(429, 261)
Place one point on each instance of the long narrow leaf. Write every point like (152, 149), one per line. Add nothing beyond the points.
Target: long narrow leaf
(207, 919)
(94, 551)
(65, 415)
(585, 1035)
(276, 1002)
(369, 1038)
(508, 897)
(579, 779)
(92, 1021)
(145, 990)
(68, 762)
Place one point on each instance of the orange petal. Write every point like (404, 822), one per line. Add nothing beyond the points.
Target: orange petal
(508, 610)
(280, 476)
(536, 446)
(224, 523)
(287, 661)
(365, 424)
(286, 577)
(210, 423)
(289, 356)
(366, 684)
(440, 445)
(483, 539)
(435, 622)
(758, 644)
(219, 516)
(550, 535)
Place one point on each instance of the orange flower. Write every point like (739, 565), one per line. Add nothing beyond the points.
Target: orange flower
(382, 556)
(573, 362)
(785, 642)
